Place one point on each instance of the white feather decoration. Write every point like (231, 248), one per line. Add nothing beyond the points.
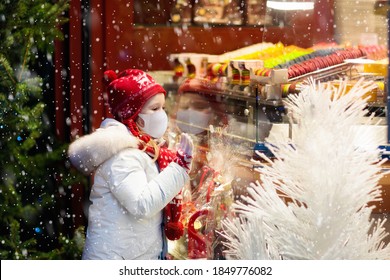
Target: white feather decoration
(329, 174)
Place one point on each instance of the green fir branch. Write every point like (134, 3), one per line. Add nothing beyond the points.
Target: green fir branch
(7, 67)
(34, 163)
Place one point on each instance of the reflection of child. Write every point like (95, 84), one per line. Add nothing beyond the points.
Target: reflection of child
(193, 113)
(135, 176)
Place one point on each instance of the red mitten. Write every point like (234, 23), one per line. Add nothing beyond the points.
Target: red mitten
(174, 229)
(184, 152)
(184, 160)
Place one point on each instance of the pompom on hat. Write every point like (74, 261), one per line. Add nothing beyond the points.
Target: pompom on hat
(128, 92)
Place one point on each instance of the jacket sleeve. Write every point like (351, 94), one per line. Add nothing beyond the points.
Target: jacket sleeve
(128, 182)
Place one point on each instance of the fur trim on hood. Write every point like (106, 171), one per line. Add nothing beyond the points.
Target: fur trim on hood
(88, 152)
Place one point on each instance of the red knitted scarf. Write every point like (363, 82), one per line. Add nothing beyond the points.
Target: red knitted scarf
(173, 227)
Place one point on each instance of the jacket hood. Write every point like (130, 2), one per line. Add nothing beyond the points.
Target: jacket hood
(88, 152)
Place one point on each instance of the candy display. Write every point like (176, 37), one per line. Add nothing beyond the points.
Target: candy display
(207, 200)
(316, 61)
(200, 59)
(254, 88)
(241, 70)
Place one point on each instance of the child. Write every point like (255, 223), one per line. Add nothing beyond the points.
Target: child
(136, 179)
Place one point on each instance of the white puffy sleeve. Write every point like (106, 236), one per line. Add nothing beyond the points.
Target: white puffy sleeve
(128, 180)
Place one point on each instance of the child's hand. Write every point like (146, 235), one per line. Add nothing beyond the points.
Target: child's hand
(184, 152)
(186, 144)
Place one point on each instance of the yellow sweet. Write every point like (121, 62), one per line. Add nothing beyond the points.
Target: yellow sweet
(378, 67)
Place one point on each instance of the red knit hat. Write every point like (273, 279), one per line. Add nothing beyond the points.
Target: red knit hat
(129, 91)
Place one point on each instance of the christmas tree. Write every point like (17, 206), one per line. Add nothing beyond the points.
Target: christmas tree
(33, 162)
(314, 200)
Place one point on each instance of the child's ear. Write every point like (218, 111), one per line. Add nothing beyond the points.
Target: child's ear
(140, 122)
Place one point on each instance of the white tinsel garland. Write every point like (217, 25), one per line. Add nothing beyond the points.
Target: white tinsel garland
(329, 173)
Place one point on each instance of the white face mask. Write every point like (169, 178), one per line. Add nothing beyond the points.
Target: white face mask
(192, 121)
(155, 124)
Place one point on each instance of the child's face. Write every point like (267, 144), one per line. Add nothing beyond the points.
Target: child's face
(152, 119)
(155, 103)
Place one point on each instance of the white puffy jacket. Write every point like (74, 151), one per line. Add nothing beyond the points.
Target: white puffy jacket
(128, 194)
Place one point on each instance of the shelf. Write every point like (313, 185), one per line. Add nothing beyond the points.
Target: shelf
(325, 73)
(228, 91)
